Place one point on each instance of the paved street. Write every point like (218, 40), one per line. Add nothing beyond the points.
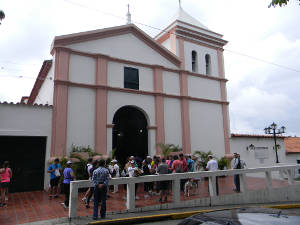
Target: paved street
(35, 206)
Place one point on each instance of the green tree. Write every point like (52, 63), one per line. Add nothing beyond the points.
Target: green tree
(281, 3)
(166, 149)
(2, 16)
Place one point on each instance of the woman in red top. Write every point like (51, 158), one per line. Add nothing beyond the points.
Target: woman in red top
(6, 175)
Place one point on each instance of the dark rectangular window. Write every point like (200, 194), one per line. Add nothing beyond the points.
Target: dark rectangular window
(131, 78)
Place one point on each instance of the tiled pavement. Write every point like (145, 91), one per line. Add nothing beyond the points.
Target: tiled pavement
(35, 206)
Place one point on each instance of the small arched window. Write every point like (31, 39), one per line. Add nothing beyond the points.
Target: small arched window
(208, 64)
(194, 62)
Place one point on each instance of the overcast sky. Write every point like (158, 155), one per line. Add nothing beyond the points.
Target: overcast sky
(259, 92)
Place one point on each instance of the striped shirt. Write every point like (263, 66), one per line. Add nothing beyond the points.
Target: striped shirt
(100, 176)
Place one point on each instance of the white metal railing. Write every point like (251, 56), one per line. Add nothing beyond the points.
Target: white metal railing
(175, 178)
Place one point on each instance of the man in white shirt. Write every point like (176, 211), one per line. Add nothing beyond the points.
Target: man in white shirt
(212, 165)
(237, 163)
(115, 171)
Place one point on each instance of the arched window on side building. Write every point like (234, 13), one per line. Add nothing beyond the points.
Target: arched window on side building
(208, 64)
(194, 62)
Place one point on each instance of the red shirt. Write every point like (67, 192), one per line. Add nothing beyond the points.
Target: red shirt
(184, 165)
(175, 164)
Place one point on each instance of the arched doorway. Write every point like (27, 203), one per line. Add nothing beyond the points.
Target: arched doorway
(130, 133)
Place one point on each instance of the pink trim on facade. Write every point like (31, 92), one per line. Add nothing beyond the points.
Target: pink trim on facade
(93, 55)
(101, 108)
(60, 105)
(126, 90)
(39, 81)
(185, 115)
(110, 125)
(181, 52)
(114, 31)
(159, 108)
(225, 114)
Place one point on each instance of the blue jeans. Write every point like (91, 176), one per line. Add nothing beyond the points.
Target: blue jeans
(100, 195)
(236, 180)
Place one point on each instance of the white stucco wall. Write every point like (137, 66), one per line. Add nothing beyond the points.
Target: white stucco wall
(171, 84)
(81, 117)
(126, 46)
(27, 120)
(251, 157)
(201, 52)
(116, 76)
(82, 69)
(206, 123)
(294, 158)
(45, 95)
(173, 132)
(145, 103)
(204, 88)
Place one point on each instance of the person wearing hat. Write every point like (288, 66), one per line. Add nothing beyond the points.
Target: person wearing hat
(116, 173)
(212, 165)
(68, 177)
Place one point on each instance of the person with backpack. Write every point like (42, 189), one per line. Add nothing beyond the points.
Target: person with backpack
(88, 169)
(55, 172)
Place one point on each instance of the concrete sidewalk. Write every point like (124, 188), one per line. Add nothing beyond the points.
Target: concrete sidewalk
(291, 207)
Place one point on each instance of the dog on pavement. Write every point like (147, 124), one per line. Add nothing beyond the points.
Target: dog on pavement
(189, 185)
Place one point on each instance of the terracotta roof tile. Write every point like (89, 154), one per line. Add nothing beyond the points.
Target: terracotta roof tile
(292, 144)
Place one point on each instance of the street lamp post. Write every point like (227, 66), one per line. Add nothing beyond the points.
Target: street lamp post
(272, 129)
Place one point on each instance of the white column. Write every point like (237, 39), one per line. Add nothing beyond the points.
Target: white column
(268, 179)
(73, 200)
(130, 202)
(212, 186)
(176, 191)
(243, 187)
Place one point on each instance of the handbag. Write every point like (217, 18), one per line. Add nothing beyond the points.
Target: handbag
(57, 173)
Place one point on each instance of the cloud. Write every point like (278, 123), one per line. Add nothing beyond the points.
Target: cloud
(259, 93)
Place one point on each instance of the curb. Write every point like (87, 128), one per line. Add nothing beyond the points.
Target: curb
(153, 218)
(180, 215)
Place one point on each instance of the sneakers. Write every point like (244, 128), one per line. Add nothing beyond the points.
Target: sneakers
(64, 205)
(84, 200)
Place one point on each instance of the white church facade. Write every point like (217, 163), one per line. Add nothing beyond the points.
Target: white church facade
(119, 88)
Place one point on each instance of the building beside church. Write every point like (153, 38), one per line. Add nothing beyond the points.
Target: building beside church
(120, 88)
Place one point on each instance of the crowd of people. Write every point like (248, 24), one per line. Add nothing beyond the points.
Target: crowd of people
(101, 171)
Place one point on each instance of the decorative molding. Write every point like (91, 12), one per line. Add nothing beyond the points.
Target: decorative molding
(151, 66)
(140, 92)
(60, 104)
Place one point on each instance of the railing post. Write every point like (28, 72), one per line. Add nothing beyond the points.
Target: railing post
(212, 185)
(290, 175)
(269, 179)
(176, 191)
(73, 200)
(130, 200)
(243, 187)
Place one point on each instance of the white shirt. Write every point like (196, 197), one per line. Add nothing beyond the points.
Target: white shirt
(131, 171)
(117, 168)
(212, 165)
(89, 167)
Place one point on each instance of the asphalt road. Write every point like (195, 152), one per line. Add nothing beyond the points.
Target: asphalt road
(165, 222)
